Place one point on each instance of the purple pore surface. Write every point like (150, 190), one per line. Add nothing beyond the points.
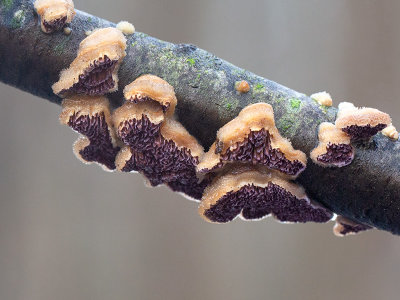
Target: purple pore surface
(55, 25)
(352, 228)
(96, 79)
(95, 128)
(160, 160)
(362, 133)
(256, 202)
(257, 150)
(339, 155)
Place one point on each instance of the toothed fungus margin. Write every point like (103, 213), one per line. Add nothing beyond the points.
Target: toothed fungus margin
(54, 14)
(95, 69)
(90, 116)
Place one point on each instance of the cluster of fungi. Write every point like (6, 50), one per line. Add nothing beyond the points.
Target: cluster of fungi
(249, 170)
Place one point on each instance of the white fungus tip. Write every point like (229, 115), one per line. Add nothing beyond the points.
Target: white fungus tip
(391, 132)
(67, 30)
(126, 27)
(323, 98)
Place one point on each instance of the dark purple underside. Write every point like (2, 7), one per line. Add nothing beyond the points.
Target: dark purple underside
(55, 25)
(337, 154)
(256, 202)
(348, 229)
(96, 79)
(361, 133)
(95, 128)
(160, 160)
(256, 149)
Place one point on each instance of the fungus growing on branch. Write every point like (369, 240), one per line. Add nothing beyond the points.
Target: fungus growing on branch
(95, 69)
(159, 148)
(90, 116)
(253, 138)
(152, 88)
(391, 132)
(344, 226)
(360, 123)
(54, 14)
(242, 86)
(126, 27)
(323, 98)
(255, 193)
(138, 124)
(334, 147)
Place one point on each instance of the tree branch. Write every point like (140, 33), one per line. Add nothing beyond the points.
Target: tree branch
(367, 191)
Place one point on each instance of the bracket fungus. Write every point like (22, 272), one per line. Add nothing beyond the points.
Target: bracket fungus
(251, 163)
(152, 88)
(90, 116)
(323, 98)
(95, 69)
(344, 226)
(255, 193)
(391, 132)
(242, 86)
(334, 147)
(253, 138)
(157, 146)
(360, 123)
(54, 14)
(126, 27)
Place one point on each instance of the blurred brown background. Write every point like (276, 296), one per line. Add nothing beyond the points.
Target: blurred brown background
(70, 231)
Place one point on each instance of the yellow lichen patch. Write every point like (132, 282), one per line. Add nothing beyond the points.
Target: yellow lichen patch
(391, 132)
(253, 138)
(54, 14)
(334, 147)
(126, 27)
(152, 88)
(94, 70)
(323, 98)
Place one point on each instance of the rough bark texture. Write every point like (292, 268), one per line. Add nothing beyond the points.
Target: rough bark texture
(367, 191)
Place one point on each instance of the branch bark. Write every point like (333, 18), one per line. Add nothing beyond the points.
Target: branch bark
(367, 191)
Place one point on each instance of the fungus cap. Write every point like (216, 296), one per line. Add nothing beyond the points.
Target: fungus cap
(95, 69)
(152, 88)
(322, 98)
(54, 14)
(161, 149)
(90, 116)
(253, 138)
(344, 226)
(126, 27)
(242, 86)
(360, 123)
(130, 111)
(334, 148)
(255, 193)
(391, 132)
